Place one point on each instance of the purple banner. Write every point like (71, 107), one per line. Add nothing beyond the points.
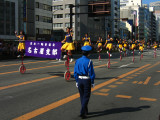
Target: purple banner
(43, 49)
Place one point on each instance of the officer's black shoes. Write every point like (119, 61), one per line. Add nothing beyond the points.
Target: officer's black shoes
(83, 116)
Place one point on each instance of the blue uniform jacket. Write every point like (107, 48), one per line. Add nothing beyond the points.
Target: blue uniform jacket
(84, 66)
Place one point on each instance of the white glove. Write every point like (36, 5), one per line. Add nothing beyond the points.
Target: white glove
(93, 85)
(77, 85)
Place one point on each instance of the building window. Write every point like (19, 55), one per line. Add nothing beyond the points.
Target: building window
(57, 0)
(47, 19)
(47, 7)
(37, 30)
(37, 17)
(67, 6)
(58, 7)
(68, 25)
(37, 4)
(67, 15)
(58, 25)
(46, 31)
(58, 16)
(122, 5)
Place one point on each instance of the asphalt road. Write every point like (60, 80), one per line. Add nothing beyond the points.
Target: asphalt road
(126, 91)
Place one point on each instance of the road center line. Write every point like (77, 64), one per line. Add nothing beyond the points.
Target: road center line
(26, 63)
(147, 81)
(148, 99)
(123, 96)
(54, 105)
(102, 94)
(38, 80)
(30, 69)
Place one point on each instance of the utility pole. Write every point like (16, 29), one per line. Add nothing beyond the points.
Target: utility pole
(71, 14)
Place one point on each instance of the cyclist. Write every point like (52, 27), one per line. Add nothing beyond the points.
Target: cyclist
(120, 45)
(99, 42)
(133, 42)
(141, 47)
(69, 45)
(21, 45)
(87, 40)
(155, 45)
(109, 44)
(125, 45)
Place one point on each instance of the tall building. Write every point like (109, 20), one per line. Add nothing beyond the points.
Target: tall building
(141, 19)
(124, 3)
(144, 30)
(43, 19)
(61, 18)
(37, 18)
(156, 6)
(8, 19)
(131, 15)
(82, 22)
(113, 21)
(154, 27)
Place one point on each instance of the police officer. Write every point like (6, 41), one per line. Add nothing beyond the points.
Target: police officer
(84, 75)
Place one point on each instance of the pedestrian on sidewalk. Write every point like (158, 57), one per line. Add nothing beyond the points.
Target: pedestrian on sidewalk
(84, 75)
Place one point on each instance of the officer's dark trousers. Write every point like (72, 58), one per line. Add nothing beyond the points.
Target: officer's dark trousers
(84, 87)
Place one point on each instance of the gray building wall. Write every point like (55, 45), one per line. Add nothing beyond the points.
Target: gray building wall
(94, 26)
(156, 6)
(113, 21)
(8, 19)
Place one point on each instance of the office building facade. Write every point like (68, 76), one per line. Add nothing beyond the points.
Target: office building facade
(8, 19)
(156, 7)
(124, 3)
(37, 19)
(43, 19)
(82, 23)
(113, 22)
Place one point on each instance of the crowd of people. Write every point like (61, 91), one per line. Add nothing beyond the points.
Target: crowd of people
(8, 49)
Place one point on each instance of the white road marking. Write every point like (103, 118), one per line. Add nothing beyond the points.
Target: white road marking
(125, 65)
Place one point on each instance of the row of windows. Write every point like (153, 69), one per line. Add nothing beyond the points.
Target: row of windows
(43, 19)
(60, 25)
(57, 0)
(61, 15)
(43, 6)
(43, 31)
(60, 7)
(7, 17)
